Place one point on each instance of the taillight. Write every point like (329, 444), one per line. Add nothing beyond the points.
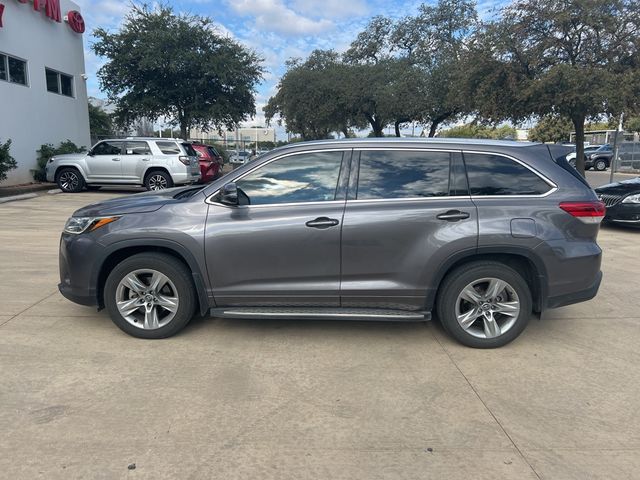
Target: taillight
(586, 212)
(185, 160)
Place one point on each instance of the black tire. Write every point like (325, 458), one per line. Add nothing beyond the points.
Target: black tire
(600, 165)
(157, 180)
(175, 271)
(69, 180)
(457, 280)
(93, 188)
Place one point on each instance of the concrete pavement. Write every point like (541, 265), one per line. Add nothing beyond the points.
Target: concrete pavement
(299, 399)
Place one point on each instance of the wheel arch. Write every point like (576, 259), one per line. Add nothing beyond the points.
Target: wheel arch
(73, 165)
(524, 261)
(153, 168)
(121, 250)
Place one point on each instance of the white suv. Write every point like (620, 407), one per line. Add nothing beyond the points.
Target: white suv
(156, 163)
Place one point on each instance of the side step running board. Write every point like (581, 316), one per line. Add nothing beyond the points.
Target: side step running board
(321, 313)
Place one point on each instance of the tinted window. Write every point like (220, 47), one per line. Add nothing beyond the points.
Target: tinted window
(3, 67)
(399, 174)
(496, 175)
(189, 149)
(308, 177)
(52, 80)
(107, 148)
(66, 85)
(137, 148)
(169, 148)
(17, 71)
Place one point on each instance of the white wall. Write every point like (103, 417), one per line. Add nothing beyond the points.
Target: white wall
(31, 116)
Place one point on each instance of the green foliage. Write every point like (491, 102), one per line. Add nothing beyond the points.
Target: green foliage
(395, 72)
(100, 123)
(474, 130)
(632, 124)
(7, 162)
(551, 128)
(576, 59)
(47, 151)
(166, 64)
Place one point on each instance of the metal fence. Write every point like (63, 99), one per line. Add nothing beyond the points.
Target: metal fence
(628, 157)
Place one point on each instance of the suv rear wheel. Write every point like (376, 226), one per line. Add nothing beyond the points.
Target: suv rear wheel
(484, 304)
(69, 180)
(150, 295)
(158, 180)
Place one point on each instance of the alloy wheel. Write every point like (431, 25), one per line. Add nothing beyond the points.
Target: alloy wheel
(69, 181)
(147, 299)
(157, 182)
(487, 308)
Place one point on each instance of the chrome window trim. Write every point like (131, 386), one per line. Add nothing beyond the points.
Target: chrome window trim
(209, 200)
(553, 189)
(411, 199)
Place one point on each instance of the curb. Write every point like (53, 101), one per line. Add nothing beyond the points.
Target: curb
(14, 198)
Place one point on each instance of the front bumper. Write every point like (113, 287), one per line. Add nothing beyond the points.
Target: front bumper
(76, 262)
(624, 214)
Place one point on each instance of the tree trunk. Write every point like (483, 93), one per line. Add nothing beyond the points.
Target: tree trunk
(578, 124)
(375, 125)
(184, 131)
(397, 125)
(433, 128)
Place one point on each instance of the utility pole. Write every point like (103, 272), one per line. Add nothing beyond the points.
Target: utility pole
(614, 160)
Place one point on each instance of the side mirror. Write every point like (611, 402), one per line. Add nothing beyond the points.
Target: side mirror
(229, 194)
(90, 153)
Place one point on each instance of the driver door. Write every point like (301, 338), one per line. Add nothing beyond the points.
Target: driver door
(104, 162)
(282, 246)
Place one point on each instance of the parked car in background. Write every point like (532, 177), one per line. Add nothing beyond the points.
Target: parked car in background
(156, 163)
(479, 233)
(239, 157)
(597, 157)
(622, 200)
(210, 162)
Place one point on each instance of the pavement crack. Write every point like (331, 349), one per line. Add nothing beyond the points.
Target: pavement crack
(486, 406)
(28, 308)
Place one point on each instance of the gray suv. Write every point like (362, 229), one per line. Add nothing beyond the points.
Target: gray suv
(156, 163)
(480, 234)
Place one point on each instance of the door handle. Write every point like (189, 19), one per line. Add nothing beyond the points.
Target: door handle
(322, 222)
(146, 159)
(115, 159)
(453, 216)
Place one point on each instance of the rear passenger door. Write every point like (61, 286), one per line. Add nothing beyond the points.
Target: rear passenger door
(509, 196)
(407, 212)
(136, 156)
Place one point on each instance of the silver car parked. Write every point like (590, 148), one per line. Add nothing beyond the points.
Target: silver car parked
(156, 163)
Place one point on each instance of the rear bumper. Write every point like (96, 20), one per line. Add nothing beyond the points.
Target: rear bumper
(576, 297)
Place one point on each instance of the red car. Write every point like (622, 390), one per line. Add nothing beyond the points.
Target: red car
(210, 162)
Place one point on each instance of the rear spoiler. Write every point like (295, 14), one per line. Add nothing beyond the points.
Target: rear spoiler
(559, 155)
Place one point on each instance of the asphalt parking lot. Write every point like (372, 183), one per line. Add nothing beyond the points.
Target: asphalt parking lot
(304, 399)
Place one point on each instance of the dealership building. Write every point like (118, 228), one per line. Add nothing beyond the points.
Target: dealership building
(43, 94)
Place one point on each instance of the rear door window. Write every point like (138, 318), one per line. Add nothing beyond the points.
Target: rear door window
(137, 148)
(386, 174)
(491, 174)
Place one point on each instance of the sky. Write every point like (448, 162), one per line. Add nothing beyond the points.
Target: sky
(275, 29)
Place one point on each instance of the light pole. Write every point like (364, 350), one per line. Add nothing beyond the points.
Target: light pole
(614, 160)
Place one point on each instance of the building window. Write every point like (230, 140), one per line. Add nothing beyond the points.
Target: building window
(13, 70)
(59, 82)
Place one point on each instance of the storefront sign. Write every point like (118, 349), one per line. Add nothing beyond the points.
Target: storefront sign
(52, 10)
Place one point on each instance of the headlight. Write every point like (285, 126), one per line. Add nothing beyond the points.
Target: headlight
(77, 225)
(632, 198)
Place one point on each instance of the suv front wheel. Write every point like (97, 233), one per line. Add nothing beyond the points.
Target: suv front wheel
(484, 304)
(150, 295)
(70, 180)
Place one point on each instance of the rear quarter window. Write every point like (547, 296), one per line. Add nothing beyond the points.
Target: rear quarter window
(169, 148)
(491, 174)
